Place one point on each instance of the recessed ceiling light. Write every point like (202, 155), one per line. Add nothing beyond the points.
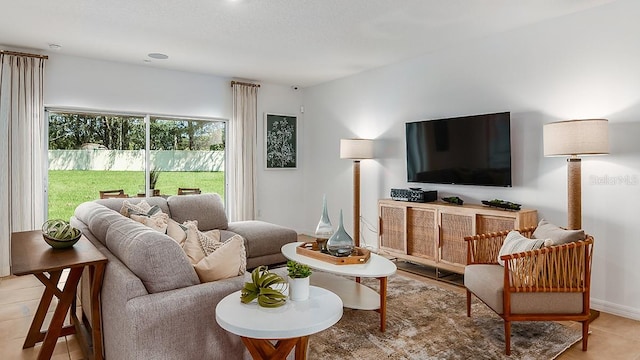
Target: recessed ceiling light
(147, 60)
(55, 47)
(158, 56)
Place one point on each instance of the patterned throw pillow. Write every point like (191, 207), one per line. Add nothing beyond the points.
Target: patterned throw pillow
(228, 260)
(212, 259)
(142, 212)
(515, 243)
(198, 244)
(129, 208)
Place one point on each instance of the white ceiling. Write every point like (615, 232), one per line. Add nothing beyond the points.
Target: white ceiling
(290, 42)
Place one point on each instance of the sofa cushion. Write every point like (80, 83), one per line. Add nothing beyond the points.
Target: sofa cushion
(555, 234)
(207, 209)
(154, 257)
(262, 238)
(515, 243)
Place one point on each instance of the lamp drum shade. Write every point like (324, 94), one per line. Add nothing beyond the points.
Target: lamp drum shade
(356, 149)
(576, 137)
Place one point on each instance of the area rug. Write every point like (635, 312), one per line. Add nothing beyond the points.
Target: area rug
(429, 322)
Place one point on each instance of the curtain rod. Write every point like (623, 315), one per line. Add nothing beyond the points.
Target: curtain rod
(24, 54)
(243, 83)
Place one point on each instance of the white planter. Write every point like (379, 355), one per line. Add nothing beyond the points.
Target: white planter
(299, 289)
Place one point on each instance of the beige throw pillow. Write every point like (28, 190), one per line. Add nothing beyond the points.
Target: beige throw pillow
(157, 222)
(556, 235)
(515, 243)
(191, 246)
(228, 260)
(176, 231)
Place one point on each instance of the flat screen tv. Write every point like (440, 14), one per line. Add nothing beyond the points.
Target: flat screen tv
(468, 150)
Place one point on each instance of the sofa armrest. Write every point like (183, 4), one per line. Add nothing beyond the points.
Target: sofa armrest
(185, 320)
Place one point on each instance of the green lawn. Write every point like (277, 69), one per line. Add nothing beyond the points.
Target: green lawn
(69, 188)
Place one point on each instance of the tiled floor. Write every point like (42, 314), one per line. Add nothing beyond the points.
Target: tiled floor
(612, 337)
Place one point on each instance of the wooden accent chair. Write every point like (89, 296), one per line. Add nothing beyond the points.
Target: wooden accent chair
(548, 284)
(106, 194)
(188, 191)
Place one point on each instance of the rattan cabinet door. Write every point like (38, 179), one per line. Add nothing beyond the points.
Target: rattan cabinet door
(422, 233)
(453, 229)
(487, 223)
(392, 228)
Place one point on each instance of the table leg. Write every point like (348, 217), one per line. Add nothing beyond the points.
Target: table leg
(383, 303)
(301, 348)
(96, 274)
(55, 328)
(34, 335)
(262, 349)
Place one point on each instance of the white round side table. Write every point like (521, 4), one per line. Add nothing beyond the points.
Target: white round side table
(290, 325)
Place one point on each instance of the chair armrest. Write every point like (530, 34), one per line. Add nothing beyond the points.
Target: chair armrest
(560, 268)
(484, 248)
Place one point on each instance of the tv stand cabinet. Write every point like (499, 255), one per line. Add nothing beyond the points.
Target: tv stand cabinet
(433, 233)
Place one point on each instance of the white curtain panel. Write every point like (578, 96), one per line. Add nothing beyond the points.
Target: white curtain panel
(241, 153)
(22, 139)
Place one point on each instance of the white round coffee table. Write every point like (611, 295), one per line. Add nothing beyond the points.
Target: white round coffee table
(353, 294)
(290, 325)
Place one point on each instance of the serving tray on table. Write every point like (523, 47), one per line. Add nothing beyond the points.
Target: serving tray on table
(310, 249)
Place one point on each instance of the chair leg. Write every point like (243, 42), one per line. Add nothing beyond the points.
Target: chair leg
(468, 303)
(507, 337)
(585, 334)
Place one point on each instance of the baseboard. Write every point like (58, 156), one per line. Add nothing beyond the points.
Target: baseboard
(615, 309)
(5, 271)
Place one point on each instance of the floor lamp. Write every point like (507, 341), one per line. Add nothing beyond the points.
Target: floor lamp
(573, 138)
(356, 149)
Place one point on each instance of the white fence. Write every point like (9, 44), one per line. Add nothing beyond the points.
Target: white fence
(133, 160)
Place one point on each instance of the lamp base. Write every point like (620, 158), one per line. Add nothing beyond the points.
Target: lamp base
(574, 191)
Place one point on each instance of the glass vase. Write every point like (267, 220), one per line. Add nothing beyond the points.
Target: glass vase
(324, 230)
(340, 243)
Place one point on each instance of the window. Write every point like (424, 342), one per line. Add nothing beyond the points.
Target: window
(92, 152)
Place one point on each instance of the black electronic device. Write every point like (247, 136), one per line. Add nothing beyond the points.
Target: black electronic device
(468, 150)
(414, 195)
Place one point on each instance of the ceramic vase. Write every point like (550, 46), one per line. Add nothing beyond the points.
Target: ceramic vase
(324, 230)
(340, 243)
(299, 288)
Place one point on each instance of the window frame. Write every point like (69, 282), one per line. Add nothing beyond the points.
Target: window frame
(147, 121)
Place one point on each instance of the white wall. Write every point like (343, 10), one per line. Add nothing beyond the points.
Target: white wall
(280, 192)
(93, 84)
(579, 66)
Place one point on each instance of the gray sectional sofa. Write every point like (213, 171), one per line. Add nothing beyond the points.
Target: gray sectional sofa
(153, 304)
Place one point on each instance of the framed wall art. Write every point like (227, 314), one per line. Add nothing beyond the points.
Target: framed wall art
(281, 141)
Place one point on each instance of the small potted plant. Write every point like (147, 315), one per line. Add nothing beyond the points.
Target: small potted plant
(298, 280)
(154, 174)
